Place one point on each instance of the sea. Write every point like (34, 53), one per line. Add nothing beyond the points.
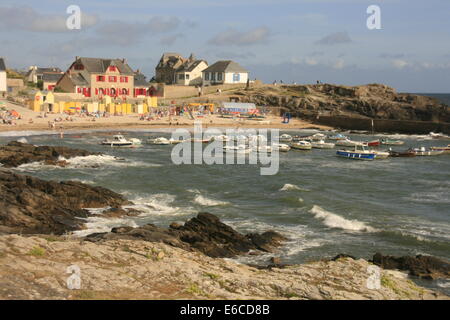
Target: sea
(325, 205)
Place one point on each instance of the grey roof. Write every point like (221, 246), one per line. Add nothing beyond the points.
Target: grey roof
(50, 69)
(225, 66)
(2, 64)
(52, 76)
(189, 66)
(78, 79)
(139, 80)
(99, 65)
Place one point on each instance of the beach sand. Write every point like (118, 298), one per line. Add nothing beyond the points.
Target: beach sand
(132, 122)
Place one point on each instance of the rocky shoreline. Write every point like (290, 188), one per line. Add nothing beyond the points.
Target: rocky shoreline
(151, 262)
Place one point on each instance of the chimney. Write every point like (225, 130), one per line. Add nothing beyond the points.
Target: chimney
(124, 61)
(76, 58)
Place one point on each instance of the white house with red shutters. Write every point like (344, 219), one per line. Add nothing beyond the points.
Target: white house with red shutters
(96, 77)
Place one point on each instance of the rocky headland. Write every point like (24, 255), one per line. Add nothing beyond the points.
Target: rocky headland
(375, 101)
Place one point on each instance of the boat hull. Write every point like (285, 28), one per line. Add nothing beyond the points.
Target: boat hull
(355, 155)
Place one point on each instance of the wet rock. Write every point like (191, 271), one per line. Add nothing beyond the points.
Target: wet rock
(343, 256)
(17, 153)
(275, 260)
(31, 205)
(204, 233)
(426, 267)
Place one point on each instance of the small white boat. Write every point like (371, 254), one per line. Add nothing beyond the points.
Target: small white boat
(285, 138)
(337, 137)
(257, 138)
(281, 147)
(221, 137)
(427, 152)
(240, 139)
(237, 149)
(301, 145)
(444, 149)
(174, 141)
(380, 154)
(118, 140)
(318, 137)
(159, 141)
(349, 143)
(358, 153)
(135, 141)
(438, 135)
(389, 142)
(263, 149)
(322, 145)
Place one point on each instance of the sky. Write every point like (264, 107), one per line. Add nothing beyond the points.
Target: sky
(298, 41)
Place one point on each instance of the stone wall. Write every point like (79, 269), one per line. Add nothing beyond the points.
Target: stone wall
(383, 125)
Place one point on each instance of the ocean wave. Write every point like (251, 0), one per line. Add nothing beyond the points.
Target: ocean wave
(333, 220)
(291, 187)
(100, 225)
(441, 197)
(83, 162)
(208, 202)
(160, 204)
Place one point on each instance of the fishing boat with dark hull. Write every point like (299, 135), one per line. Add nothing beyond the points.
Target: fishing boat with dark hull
(402, 154)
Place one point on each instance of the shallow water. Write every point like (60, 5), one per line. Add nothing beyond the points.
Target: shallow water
(324, 204)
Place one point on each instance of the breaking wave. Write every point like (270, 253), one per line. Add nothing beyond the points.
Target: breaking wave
(333, 220)
(208, 202)
(290, 187)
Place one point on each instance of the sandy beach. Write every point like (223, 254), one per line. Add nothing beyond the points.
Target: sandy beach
(124, 122)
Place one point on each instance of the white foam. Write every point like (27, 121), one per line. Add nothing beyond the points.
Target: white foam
(22, 140)
(101, 225)
(333, 220)
(290, 187)
(208, 202)
(92, 161)
(160, 204)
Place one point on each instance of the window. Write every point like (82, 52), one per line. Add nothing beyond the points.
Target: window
(181, 76)
(100, 78)
(213, 76)
(123, 79)
(112, 79)
(219, 76)
(113, 68)
(207, 76)
(78, 67)
(187, 77)
(236, 77)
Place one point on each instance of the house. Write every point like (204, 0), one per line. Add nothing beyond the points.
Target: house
(141, 85)
(14, 85)
(36, 74)
(3, 86)
(175, 69)
(224, 72)
(190, 73)
(50, 79)
(97, 77)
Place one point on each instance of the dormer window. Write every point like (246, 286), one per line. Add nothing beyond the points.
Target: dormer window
(78, 67)
(113, 68)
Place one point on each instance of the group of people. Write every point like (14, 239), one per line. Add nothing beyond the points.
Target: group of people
(10, 117)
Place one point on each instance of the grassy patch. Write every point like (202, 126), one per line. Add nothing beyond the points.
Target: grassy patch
(52, 239)
(212, 276)
(37, 251)
(387, 282)
(194, 289)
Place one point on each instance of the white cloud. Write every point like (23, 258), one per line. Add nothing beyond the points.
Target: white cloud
(335, 38)
(399, 64)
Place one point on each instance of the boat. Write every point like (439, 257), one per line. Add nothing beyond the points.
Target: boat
(281, 147)
(222, 138)
(118, 140)
(349, 143)
(159, 141)
(301, 145)
(174, 141)
(403, 154)
(380, 154)
(242, 148)
(337, 136)
(322, 145)
(317, 137)
(445, 149)
(374, 143)
(240, 139)
(285, 138)
(257, 138)
(263, 149)
(359, 153)
(389, 142)
(438, 135)
(427, 152)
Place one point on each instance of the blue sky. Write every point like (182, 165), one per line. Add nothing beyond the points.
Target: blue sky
(289, 40)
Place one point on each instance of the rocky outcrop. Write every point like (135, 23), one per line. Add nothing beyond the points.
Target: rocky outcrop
(426, 267)
(204, 233)
(374, 101)
(35, 268)
(16, 153)
(31, 205)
